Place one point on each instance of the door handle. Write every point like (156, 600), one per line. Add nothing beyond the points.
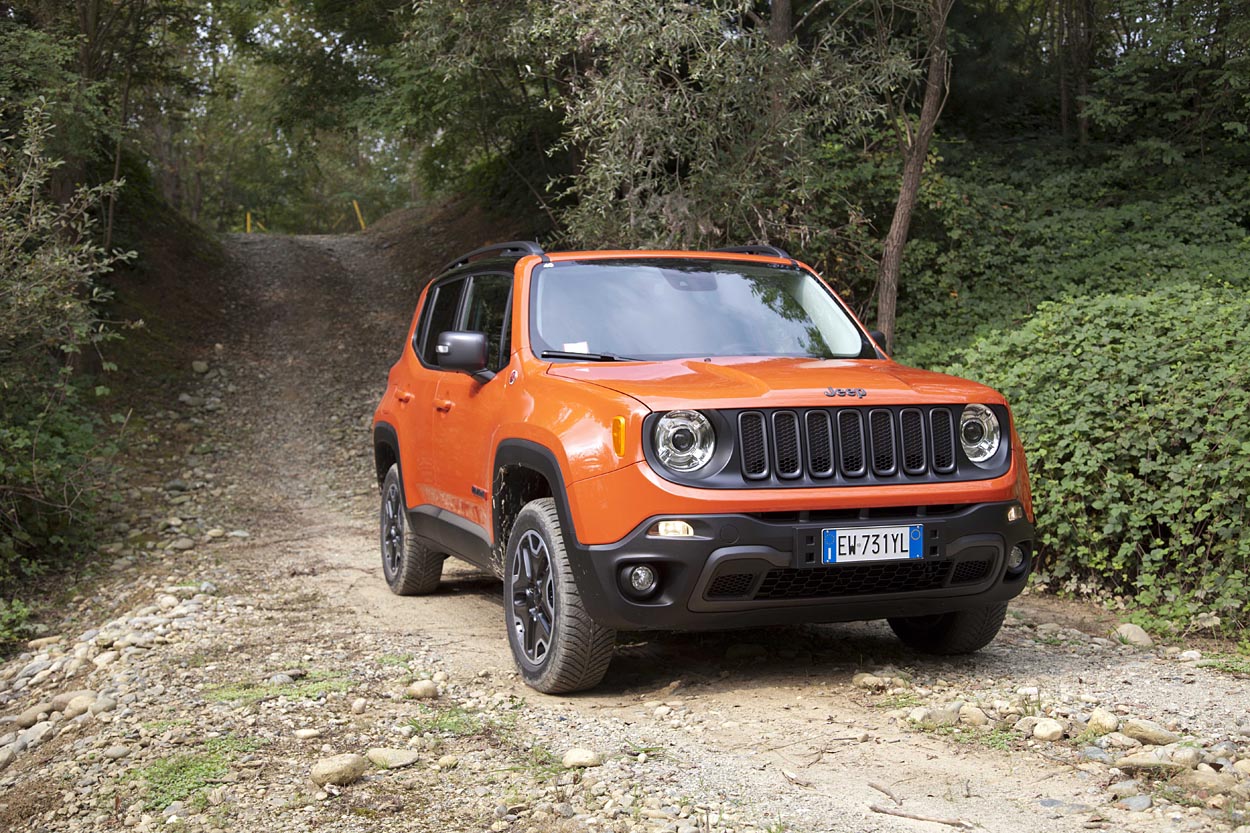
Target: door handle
(403, 396)
(443, 405)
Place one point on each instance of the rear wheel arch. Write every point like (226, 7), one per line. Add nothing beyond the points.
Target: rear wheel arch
(386, 451)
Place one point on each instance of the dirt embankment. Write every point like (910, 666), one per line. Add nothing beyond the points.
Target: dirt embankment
(245, 640)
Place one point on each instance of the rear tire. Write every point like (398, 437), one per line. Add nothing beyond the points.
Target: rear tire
(959, 632)
(557, 647)
(410, 567)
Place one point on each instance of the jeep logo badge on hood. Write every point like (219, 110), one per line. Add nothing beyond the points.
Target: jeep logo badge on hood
(858, 393)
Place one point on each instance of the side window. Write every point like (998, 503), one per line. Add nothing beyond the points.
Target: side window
(487, 311)
(440, 316)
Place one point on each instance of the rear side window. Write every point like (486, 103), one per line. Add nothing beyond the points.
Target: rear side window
(440, 317)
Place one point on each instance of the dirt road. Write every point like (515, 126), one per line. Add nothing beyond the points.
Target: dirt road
(267, 471)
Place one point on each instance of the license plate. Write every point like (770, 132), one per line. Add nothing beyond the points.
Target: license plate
(873, 543)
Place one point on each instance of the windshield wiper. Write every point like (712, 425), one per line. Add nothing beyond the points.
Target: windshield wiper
(586, 357)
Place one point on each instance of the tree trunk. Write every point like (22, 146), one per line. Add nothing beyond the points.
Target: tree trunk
(914, 155)
(780, 22)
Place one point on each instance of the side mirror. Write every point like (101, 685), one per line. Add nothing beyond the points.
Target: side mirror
(465, 352)
(879, 337)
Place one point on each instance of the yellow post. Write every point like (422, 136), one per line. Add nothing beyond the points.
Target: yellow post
(249, 222)
(359, 217)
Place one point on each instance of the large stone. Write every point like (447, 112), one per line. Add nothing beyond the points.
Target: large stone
(578, 757)
(62, 700)
(79, 705)
(30, 717)
(1102, 722)
(1147, 731)
(869, 681)
(1048, 729)
(1203, 781)
(422, 690)
(1187, 755)
(392, 758)
(973, 716)
(339, 770)
(1131, 634)
(1150, 763)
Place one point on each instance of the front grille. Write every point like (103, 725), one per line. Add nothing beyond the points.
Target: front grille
(786, 432)
(852, 444)
(754, 440)
(853, 580)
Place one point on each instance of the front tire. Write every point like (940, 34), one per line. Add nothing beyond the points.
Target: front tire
(410, 567)
(947, 634)
(557, 646)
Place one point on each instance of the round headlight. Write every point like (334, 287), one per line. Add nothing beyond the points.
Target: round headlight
(684, 440)
(979, 433)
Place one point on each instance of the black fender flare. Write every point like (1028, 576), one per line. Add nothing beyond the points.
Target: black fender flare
(385, 436)
(539, 458)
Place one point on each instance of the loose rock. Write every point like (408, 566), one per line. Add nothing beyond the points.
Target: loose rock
(1131, 634)
(578, 757)
(422, 690)
(339, 770)
(1147, 731)
(392, 758)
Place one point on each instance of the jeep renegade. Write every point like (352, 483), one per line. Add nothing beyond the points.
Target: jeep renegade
(635, 440)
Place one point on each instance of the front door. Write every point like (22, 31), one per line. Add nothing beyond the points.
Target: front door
(467, 410)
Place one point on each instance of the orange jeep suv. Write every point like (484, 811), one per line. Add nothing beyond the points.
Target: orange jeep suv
(635, 440)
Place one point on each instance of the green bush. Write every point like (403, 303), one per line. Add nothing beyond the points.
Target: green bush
(50, 454)
(1133, 410)
(1003, 233)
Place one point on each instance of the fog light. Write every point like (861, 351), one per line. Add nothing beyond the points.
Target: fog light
(1015, 513)
(672, 529)
(1015, 559)
(642, 579)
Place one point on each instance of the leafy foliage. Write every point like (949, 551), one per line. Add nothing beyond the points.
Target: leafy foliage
(1133, 409)
(49, 453)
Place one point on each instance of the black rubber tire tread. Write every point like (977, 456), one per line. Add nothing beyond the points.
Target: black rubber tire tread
(420, 568)
(960, 632)
(581, 649)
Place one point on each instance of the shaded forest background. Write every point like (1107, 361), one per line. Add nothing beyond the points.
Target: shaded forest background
(1053, 194)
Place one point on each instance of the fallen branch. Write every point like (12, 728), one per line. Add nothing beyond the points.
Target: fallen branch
(903, 814)
(881, 788)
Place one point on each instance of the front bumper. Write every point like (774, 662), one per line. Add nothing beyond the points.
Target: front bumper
(749, 570)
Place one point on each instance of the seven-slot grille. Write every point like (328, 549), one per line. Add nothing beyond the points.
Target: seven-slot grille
(847, 443)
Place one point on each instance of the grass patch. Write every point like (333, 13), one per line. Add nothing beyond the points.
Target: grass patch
(181, 777)
(540, 762)
(999, 739)
(310, 688)
(902, 700)
(164, 725)
(185, 777)
(1235, 664)
(450, 720)
(393, 660)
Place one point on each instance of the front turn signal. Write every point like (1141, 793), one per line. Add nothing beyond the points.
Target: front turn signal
(618, 435)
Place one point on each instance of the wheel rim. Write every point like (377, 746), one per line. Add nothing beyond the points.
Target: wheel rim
(392, 530)
(533, 597)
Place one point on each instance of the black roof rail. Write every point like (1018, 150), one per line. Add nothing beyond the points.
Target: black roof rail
(514, 247)
(766, 251)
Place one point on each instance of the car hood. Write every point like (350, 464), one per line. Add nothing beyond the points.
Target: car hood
(775, 382)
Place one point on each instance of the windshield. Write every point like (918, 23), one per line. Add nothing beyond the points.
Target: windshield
(667, 309)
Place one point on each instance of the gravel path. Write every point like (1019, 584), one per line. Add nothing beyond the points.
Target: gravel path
(242, 665)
